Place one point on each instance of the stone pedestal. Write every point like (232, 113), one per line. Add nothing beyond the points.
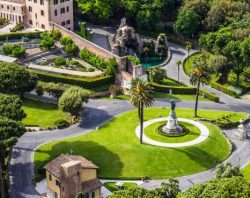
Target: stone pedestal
(241, 132)
(172, 126)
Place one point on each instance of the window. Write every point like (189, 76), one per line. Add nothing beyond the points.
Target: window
(68, 22)
(56, 196)
(55, 12)
(62, 1)
(62, 10)
(55, 2)
(42, 13)
(93, 194)
(14, 8)
(30, 22)
(30, 9)
(43, 26)
(49, 174)
(57, 183)
(1, 6)
(86, 195)
(36, 15)
(67, 8)
(8, 7)
(35, 1)
(41, 2)
(63, 23)
(78, 173)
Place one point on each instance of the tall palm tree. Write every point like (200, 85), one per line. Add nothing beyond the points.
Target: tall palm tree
(178, 64)
(140, 95)
(200, 74)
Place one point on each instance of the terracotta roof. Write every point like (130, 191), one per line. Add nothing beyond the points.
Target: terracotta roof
(55, 165)
(91, 185)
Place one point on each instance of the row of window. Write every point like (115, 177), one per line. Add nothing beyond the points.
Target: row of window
(65, 23)
(11, 17)
(40, 1)
(31, 23)
(62, 10)
(8, 7)
(57, 1)
(41, 11)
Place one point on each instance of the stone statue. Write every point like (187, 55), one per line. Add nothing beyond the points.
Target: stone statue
(172, 105)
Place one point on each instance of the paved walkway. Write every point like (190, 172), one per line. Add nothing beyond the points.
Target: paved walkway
(203, 135)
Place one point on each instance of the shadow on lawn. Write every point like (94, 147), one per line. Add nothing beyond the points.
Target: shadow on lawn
(108, 162)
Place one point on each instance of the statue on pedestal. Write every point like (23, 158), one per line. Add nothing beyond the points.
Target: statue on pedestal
(172, 125)
(241, 131)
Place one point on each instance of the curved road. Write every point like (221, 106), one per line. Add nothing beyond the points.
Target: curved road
(97, 113)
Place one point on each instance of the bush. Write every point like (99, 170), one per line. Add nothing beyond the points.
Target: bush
(175, 90)
(91, 69)
(65, 40)
(19, 35)
(3, 21)
(71, 49)
(14, 50)
(18, 27)
(82, 82)
(134, 59)
(209, 95)
(111, 68)
(157, 74)
(60, 124)
(59, 61)
(224, 89)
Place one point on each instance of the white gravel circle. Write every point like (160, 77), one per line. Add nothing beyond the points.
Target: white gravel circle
(203, 135)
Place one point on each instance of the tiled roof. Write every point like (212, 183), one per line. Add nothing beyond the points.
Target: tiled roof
(91, 185)
(55, 165)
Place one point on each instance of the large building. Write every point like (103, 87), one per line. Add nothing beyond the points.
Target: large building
(38, 13)
(68, 175)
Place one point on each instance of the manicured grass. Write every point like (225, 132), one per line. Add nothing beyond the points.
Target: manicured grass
(41, 113)
(116, 149)
(170, 82)
(152, 132)
(246, 172)
(112, 187)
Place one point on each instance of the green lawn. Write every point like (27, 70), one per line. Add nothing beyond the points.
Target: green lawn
(112, 187)
(116, 149)
(246, 172)
(152, 132)
(41, 113)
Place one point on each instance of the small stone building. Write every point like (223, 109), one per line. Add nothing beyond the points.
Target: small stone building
(68, 175)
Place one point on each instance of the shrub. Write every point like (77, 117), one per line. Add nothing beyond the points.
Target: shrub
(111, 68)
(65, 40)
(59, 61)
(82, 82)
(134, 59)
(18, 27)
(157, 75)
(60, 124)
(56, 34)
(175, 90)
(47, 41)
(39, 90)
(84, 32)
(91, 69)
(209, 95)
(7, 49)
(3, 21)
(19, 35)
(224, 89)
(71, 49)
(14, 50)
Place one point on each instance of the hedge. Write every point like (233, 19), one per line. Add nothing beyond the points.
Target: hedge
(19, 35)
(82, 82)
(184, 90)
(224, 89)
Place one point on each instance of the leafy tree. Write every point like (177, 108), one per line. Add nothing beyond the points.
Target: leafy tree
(71, 49)
(167, 190)
(227, 171)
(59, 61)
(200, 74)
(157, 74)
(178, 64)
(223, 188)
(187, 23)
(219, 64)
(11, 107)
(47, 41)
(65, 40)
(55, 34)
(140, 95)
(72, 99)
(112, 67)
(15, 79)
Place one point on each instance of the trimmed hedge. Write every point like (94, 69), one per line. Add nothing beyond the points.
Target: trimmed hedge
(224, 89)
(184, 90)
(81, 82)
(19, 35)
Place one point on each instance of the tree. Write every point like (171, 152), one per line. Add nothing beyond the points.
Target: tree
(140, 95)
(15, 79)
(47, 41)
(188, 47)
(227, 171)
(187, 23)
(11, 107)
(178, 64)
(200, 74)
(56, 34)
(72, 99)
(223, 187)
(157, 74)
(66, 40)
(112, 67)
(166, 190)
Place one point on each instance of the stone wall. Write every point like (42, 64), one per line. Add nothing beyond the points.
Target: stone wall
(83, 43)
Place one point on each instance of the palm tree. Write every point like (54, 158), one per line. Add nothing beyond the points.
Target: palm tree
(140, 95)
(178, 64)
(200, 74)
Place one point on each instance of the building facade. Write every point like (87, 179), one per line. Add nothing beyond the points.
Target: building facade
(38, 13)
(68, 175)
